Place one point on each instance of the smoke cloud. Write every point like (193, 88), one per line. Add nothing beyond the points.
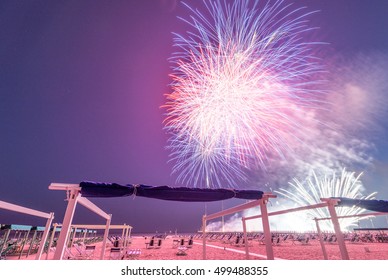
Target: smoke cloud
(340, 133)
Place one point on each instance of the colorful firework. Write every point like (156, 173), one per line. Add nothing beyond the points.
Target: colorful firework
(346, 185)
(241, 78)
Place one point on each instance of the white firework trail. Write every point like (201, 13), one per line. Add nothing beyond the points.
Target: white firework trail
(241, 78)
(348, 185)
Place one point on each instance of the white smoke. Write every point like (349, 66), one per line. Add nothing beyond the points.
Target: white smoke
(292, 222)
(339, 135)
(342, 132)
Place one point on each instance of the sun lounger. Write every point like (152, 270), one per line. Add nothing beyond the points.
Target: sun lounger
(151, 244)
(190, 243)
(276, 240)
(11, 247)
(182, 251)
(158, 244)
(178, 242)
(132, 253)
(89, 251)
(115, 254)
(85, 252)
(302, 240)
(261, 239)
(69, 255)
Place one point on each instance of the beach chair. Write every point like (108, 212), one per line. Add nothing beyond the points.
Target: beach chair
(89, 251)
(79, 252)
(178, 242)
(227, 238)
(181, 251)
(158, 244)
(85, 252)
(332, 239)
(237, 241)
(355, 238)
(261, 239)
(132, 253)
(304, 240)
(115, 254)
(69, 255)
(190, 243)
(275, 240)
(8, 250)
(151, 244)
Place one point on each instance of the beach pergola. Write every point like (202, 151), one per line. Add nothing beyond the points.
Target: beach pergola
(86, 228)
(32, 212)
(79, 193)
(259, 202)
(73, 198)
(376, 208)
(379, 207)
(125, 230)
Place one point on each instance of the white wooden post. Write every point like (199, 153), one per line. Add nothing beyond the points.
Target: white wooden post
(105, 237)
(320, 239)
(204, 237)
(51, 240)
(6, 235)
(266, 228)
(245, 238)
(68, 218)
(337, 229)
(44, 237)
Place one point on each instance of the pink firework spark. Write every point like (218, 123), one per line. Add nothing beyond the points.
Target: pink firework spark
(241, 78)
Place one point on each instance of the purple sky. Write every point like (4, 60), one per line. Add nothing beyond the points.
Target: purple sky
(81, 85)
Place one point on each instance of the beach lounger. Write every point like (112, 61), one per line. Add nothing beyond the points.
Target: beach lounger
(275, 240)
(151, 244)
(261, 239)
(178, 242)
(237, 241)
(132, 253)
(85, 252)
(89, 251)
(158, 244)
(115, 254)
(332, 239)
(190, 243)
(69, 255)
(302, 240)
(181, 251)
(9, 249)
(227, 238)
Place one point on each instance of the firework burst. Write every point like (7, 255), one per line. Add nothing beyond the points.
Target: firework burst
(346, 185)
(241, 78)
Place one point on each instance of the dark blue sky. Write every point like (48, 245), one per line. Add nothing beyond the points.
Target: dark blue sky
(81, 85)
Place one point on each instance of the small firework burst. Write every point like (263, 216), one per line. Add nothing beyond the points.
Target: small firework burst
(314, 188)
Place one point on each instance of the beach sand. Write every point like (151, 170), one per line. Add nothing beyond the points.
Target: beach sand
(217, 250)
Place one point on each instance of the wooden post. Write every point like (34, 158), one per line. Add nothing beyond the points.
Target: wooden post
(204, 237)
(71, 204)
(245, 238)
(337, 229)
(266, 228)
(320, 239)
(105, 237)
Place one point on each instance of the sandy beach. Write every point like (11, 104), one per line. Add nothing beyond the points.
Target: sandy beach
(169, 249)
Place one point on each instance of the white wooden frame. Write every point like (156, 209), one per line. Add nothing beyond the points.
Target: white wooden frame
(262, 203)
(73, 197)
(29, 211)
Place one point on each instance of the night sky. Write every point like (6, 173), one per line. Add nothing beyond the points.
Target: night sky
(81, 89)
